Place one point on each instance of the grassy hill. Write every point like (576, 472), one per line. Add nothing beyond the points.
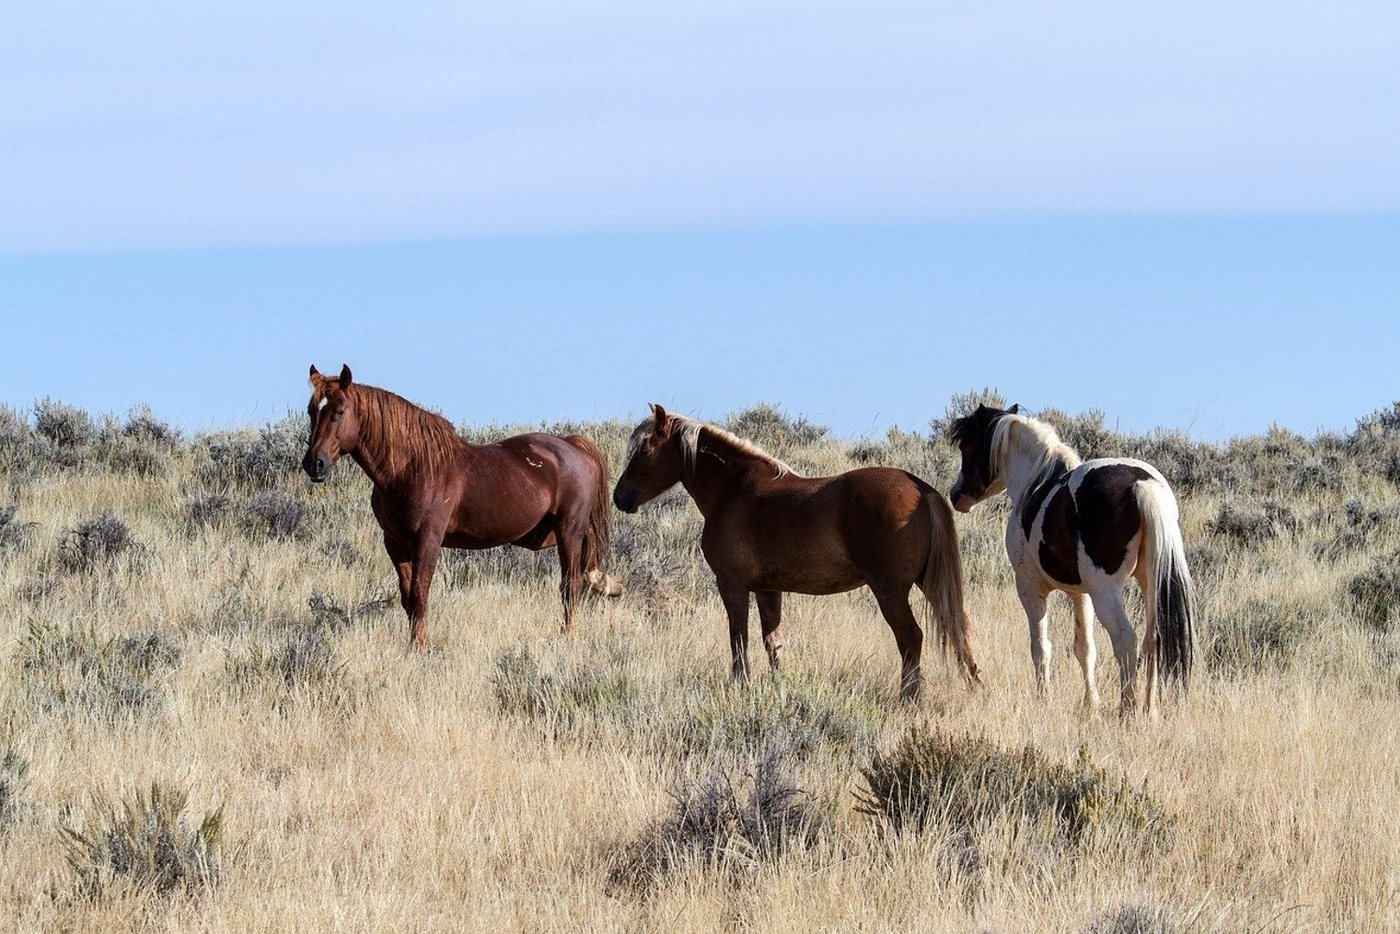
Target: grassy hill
(211, 722)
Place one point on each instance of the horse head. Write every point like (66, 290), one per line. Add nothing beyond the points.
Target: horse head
(334, 426)
(655, 462)
(979, 478)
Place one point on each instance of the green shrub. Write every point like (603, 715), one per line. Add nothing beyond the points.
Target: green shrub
(251, 460)
(967, 783)
(274, 515)
(145, 844)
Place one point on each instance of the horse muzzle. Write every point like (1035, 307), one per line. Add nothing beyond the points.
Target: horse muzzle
(318, 468)
(625, 500)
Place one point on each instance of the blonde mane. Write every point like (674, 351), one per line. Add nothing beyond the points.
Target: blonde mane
(1033, 441)
(687, 433)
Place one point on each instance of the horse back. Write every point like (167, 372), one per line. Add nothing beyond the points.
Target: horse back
(824, 534)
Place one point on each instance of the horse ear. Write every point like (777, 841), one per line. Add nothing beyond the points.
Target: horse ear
(1015, 408)
(345, 377)
(316, 378)
(663, 421)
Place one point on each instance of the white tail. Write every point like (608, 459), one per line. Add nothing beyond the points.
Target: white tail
(1170, 591)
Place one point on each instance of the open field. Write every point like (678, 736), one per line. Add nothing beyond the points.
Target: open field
(191, 614)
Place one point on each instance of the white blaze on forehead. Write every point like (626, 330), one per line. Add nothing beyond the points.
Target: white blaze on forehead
(324, 400)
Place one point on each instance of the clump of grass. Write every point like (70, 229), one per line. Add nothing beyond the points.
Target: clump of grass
(582, 691)
(1374, 594)
(341, 551)
(1260, 634)
(77, 672)
(304, 666)
(145, 844)
(333, 615)
(14, 781)
(727, 824)
(768, 425)
(967, 784)
(1252, 523)
(808, 717)
(14, 535)
(98, 543)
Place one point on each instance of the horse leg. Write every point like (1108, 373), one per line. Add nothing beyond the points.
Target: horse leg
(1149, 639)
(424, 565)
(1108, 605)
(1033, 600)
(770, 617)
(736, 605)
(403, 567)
(894, 605)
(1084, 648)
(570, 572)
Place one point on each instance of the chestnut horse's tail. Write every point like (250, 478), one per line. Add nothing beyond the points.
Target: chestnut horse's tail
(942, 585)
(597, 546)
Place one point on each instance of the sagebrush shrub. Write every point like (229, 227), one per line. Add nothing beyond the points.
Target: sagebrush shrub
(97, 543)
(1133, 918)
(581, 690)
(14, 535)
(65, 426)
(1261, 633)
(726, 823)
(967, 783)
(14, 781)
(769, 426)
(274, 514)
(1375, 593)
(1252, 522)
(74, 672)
(145, 844)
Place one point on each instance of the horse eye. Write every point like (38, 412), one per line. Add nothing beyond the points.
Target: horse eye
(335, 416)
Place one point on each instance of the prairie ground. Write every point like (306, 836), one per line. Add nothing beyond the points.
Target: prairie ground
(189, 615)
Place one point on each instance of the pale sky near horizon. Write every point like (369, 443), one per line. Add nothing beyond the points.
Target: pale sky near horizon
(1186, 216)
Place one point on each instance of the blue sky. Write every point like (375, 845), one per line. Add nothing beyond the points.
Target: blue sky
(1184, 216)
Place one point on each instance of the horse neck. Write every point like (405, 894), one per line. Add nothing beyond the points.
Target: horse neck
(388, 466)
(719, 469)
(1030, 460)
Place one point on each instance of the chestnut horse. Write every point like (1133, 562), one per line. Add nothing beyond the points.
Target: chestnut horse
(769, 532)
(432, 489)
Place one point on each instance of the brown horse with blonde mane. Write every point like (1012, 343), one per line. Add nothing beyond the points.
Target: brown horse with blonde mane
(769, 531)
(433, 489)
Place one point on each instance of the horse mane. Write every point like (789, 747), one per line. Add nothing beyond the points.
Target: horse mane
(400, 435)
(687, 432)
(1037, 442)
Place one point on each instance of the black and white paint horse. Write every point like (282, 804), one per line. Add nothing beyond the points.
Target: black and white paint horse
(1084, 528)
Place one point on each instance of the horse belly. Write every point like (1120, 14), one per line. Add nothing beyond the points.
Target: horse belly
(807, 567)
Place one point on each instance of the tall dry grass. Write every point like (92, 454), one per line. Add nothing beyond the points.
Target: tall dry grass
(201, 678)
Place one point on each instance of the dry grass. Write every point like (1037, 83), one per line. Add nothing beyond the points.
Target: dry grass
(509, 779)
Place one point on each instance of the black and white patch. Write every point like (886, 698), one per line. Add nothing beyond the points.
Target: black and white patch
(1095, 509)
(1108, 512)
